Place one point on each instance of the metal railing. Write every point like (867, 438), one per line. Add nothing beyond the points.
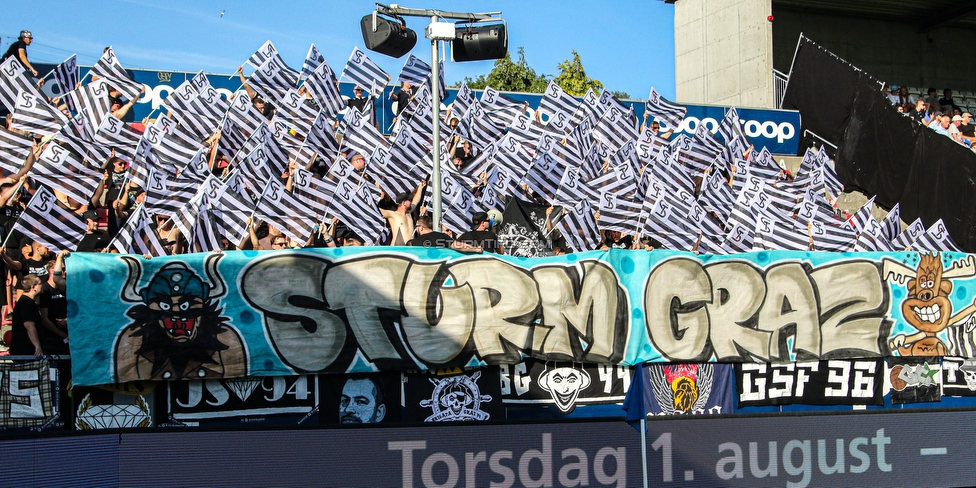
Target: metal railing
(780, 81)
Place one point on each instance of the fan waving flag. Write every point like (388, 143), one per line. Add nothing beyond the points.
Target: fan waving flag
(414, 71)
(66, 74)
(313, 60)
(364, 72)
(578, 227)
(13, 81)
(137, 237)
(108, 67)
(669, 113)
(34, 114)
(51, 224)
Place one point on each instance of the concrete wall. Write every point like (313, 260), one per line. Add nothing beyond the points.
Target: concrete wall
(723, 52)
(890, 51)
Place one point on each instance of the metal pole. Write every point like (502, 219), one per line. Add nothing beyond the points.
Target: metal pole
(643, 429)
(436, 111)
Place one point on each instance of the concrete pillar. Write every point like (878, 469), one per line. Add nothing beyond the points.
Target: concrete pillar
(723, 52)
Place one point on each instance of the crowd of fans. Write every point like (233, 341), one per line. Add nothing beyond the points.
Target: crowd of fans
(945, 115)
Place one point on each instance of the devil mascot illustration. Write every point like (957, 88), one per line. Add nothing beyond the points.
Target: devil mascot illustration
(177, 331)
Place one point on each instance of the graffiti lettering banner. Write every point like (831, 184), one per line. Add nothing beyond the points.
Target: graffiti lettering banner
(277, 313)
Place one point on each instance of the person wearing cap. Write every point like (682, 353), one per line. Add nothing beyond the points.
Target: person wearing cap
(893, 94)
(481, 235)
(19, 49)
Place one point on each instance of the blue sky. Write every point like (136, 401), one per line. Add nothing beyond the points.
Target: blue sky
(629, 46)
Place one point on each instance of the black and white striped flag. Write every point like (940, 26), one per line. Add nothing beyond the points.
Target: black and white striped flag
(313, 59)
(14, 149)
(34, 114)
(323, 85)
(91, 103)
(272, 80)
(314, 191)
(500, 107)
(731, 129)
(775, 233)
(935, 239)
(167, 194)
(907, 238)
(891, 225)
(243, 114)
(828, 237)
(592, 106)
(137, 236)
(13, 81)
(557, 108)
(526, 130)
(51, 224)
(118, 135)
(109, 69)
(365, 73)
(264, 53)
(669, 114)
(66, 75)
(355, 206)
(234, 206)
(542, 178)
(361, 135)
(619, 212)
(65, 171)
(414, 71)
(290, 214)
(462, 100)
(577, 224)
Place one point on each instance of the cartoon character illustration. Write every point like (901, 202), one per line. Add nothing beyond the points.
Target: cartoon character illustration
(564, 384)
(177, 331)
(927, 307)
(681, 388)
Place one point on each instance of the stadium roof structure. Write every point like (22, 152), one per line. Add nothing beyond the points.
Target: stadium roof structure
(924, 15)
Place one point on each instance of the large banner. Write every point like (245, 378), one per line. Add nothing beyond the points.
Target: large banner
(281, 313)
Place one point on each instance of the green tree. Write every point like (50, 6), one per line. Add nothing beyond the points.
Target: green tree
(572, 77)
(621, 95)
(511, 76)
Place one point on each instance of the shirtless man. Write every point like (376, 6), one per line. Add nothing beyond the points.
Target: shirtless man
(400, 220)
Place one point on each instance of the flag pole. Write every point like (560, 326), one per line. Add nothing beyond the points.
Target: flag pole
(436, 119)
(643, 441)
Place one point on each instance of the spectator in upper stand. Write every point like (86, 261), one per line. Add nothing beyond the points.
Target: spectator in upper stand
(940, 124)
(968, 130)
(918, 112)
(19, 50)
(946, 101)
(953, 129)
(464, 152)
(932, 101)
(893, 94)
(905, 98)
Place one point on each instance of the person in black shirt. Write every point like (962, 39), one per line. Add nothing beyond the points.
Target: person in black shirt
(19, 50)
(427, 237)
(359, 101)
(25, 340)
(481, 234)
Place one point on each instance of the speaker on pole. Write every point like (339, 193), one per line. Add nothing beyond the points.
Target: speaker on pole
(480, 42)
(390, 37)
